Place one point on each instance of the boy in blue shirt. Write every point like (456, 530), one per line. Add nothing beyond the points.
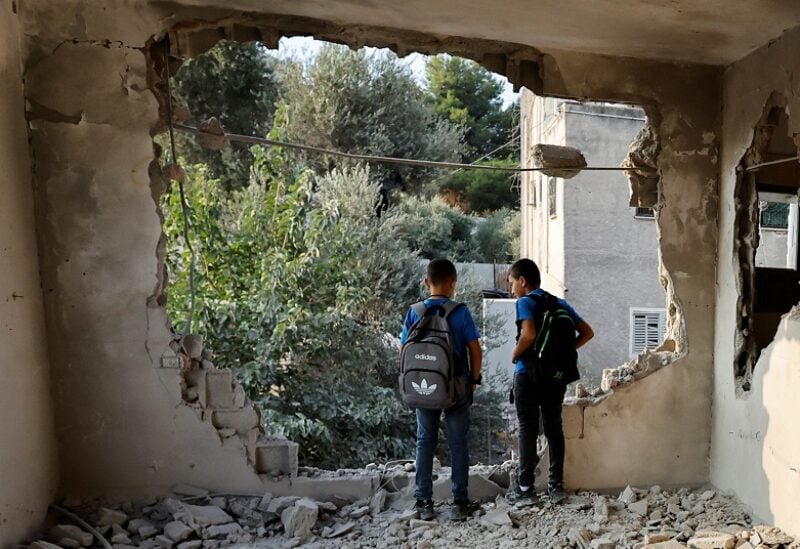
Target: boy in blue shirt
(441, 284)
(531, 394)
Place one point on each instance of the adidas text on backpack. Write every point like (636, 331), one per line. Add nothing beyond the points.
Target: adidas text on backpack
(430, 376)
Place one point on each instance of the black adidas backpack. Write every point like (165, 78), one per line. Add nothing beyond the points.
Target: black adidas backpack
(553, 354)
(431, 376)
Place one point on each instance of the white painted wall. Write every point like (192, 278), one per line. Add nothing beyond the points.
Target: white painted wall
(755, 448)
(499, 325)
(28, 462)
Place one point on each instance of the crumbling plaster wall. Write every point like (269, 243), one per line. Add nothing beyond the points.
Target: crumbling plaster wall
(27, 452)
(755, 447)
(122, 426)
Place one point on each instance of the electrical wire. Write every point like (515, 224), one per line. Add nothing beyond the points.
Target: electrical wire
(233, 137)
(184, 203)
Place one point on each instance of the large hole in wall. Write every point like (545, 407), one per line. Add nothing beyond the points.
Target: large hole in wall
(589, 224)
(288, 291)
(512, 60)
(766, 236)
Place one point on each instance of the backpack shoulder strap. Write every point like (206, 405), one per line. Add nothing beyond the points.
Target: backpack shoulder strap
(419, 308)
(451, 306)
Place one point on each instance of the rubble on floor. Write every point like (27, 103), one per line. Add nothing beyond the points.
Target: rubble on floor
(636, 518)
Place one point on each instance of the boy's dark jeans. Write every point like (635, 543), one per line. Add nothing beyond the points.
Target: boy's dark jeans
(529, 398)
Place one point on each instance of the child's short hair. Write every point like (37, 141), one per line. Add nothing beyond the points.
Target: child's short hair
(528, 269)
(441, 271)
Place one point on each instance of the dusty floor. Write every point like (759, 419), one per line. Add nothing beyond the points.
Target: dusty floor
(634, 518)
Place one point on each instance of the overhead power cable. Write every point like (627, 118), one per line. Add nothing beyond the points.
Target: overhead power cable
(770, 163)
(233, 137)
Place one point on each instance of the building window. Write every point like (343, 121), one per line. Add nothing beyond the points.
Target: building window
(645, 213)
(551, 196)
(534, 201)
(648, 328)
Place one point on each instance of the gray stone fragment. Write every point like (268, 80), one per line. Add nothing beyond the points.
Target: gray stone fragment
(177, 531)
(627, 496)
(552, 157)
(135, 524)
(639, 507)
(299, 519)
(378, 502)
(224, 530)
(110, 516)
(263, 505)
(192, 544)
(498, 517)
(68, 543)
(207, 515)
(277, 505)
(340, 530)
(416, 524)
(359, 512)
(148, 531)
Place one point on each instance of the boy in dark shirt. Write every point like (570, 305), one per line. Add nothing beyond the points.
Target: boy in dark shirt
(441, 283)
(532, 395)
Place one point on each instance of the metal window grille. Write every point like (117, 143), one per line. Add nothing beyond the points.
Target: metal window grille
(551, 196)
(645, 212)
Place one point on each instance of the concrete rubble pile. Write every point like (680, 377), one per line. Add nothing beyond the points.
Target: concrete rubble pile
(636, 518)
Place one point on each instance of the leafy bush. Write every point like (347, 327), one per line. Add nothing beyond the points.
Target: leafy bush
(497, 238)
(296, 289)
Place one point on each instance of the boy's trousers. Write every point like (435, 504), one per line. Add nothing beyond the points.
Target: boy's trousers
(529, 398)
(457, 420)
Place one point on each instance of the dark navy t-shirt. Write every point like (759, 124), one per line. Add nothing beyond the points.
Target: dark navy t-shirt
(462, 326)
(532, 309)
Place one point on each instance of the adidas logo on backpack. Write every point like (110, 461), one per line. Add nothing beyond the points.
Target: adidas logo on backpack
(430, 378)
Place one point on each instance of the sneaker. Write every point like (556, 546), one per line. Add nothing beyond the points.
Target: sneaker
(460, 511)
(425, 509)
(523, 498)
(557, 493)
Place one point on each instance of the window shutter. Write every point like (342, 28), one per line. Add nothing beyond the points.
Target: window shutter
(649, 330)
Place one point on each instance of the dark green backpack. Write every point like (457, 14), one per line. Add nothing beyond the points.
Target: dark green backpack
(553, 354)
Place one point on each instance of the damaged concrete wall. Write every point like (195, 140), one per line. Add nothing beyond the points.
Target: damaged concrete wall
(755, 447)
(28, 451)
(123, 425)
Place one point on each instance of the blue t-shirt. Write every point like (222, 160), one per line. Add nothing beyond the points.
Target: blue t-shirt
(462, 326)
(532, 309)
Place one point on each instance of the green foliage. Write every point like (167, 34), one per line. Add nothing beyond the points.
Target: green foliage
(465, 93)
(485, 191)
(497, 238)
(236, 83)
(293, 290)
(435, 229)
(363, 103)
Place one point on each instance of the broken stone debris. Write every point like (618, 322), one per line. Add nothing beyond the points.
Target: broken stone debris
(552, 157)
(681, 518)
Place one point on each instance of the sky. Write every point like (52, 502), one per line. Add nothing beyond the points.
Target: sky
(302, 47)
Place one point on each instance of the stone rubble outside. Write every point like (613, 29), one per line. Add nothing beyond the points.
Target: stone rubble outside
(635, 518)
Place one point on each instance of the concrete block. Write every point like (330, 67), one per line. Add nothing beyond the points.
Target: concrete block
(572, 419)
(299, 519)
(219, 389)
(223, 530)
(196, 378)
(241, 420)
(277, 457)
(717, 540)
